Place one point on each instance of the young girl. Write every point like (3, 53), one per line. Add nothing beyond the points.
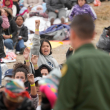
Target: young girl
(82, 8)
(42, 49)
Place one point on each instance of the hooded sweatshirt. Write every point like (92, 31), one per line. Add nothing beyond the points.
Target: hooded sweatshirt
(11, 3)
(85, 9)
(35, 50)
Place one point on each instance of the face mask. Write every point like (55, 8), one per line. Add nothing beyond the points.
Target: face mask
(44, 76)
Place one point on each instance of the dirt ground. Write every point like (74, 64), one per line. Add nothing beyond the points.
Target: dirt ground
(103, 20)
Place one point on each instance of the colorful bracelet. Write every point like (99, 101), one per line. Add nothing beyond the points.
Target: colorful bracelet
(27, 60)
(36, 29)
(35, 65)
(11, 35)
(32, 85)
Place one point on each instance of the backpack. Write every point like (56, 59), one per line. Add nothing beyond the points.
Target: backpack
(104, 40)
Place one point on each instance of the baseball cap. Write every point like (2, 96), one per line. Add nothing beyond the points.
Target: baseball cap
(9, 72)
(37, 79)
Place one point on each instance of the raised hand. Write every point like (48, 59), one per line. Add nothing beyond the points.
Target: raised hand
(37, 23)
(30, 78)
(34, 59)
(26, 53)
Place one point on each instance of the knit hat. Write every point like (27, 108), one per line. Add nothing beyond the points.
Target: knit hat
(15, 90)
(49, 86)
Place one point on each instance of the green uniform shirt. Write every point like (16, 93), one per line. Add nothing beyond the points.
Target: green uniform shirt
(85, 84)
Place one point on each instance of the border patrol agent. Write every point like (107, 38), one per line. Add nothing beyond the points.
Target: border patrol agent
(85, 82)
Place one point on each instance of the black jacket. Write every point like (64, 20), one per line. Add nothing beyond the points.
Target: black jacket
(26, 104)
(12, 29)
(24, 33)
(2, 53)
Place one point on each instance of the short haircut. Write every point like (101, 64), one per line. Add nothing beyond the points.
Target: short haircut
(83, 26)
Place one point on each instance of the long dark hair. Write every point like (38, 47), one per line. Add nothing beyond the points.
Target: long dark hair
(45, 40)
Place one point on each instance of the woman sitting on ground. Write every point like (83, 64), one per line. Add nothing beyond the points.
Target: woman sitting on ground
(20, 71)
(82, 8)
(9, 34)
(22, 34)
(9, 4)
(56, 8)
(42, 50)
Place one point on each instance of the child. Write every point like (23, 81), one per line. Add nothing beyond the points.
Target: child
(82, 8)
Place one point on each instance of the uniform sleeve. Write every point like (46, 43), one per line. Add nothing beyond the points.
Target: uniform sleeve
(68, 88)
(92, 13)
(72, 14)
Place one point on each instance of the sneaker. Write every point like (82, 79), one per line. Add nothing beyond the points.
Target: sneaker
(17, 52)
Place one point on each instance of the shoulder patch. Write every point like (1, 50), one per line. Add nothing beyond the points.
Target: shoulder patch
(64, 70)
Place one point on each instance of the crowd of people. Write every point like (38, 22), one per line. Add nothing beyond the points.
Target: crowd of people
(41, 83)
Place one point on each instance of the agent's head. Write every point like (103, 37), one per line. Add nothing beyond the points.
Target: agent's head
(19, 20)
(82, 30)
(20, 71)
(46, 48)
(81, 2)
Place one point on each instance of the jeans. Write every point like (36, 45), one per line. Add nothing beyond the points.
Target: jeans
(20, 45)
(9, 44)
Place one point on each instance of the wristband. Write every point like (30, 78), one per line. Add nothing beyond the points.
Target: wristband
(11, 35)
(27, 60)
(36, 29)
(32, 85)
(35, 65)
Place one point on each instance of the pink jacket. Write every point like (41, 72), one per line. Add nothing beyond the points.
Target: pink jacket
(5, 23)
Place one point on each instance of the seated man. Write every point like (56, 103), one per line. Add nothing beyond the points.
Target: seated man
(22, 34)
(14, 97)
